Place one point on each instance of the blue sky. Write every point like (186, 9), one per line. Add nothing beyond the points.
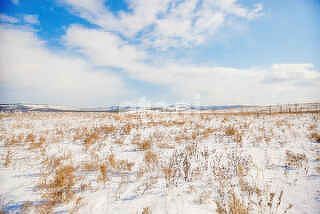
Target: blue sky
(202, 51)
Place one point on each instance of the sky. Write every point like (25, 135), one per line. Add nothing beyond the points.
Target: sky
(137, 52)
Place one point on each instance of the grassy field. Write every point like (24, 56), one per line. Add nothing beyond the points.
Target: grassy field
(157, 162)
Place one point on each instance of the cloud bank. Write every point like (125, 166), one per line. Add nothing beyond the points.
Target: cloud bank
(164, 23)
(31, 71)
(97, 65)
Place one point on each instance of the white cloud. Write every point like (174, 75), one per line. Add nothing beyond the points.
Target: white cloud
(222, 85)
(165, 23)
(292, 73)
(278, 83)
(31, 19)
(31, 71)
(8, 19)
(102, 47)
(232, 7)
(16, 2)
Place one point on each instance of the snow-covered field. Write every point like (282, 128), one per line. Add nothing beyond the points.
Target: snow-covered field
(152, 162)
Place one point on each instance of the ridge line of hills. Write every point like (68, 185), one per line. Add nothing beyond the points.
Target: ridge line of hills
(20, 107)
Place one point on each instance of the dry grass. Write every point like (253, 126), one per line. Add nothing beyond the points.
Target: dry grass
(145, 145)
(236, 206)
(76, 205)
(124, 165)
(8, 159)
(191, 160)
(169, 175)
(150, 158)
(315, 136)
(146, 210)
(108, 129)
(249, 199)
(39, 144)
(103, 173)
(182, 137)
(207, 132)
(126, 129)
(165, 146)
(14, 140)
(249, 188)
(30, 138)
(228, 202)
(295, 160)
(51, 163)
(59, 190)
(89, 166)
(234, 133)
(91, 139)
(112, 161)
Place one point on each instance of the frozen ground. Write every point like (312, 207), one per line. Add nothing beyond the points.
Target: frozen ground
(149, 162)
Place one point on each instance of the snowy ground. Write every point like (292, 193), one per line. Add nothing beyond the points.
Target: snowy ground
(149, 162)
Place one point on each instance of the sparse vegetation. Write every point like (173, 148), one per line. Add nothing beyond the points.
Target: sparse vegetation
(60, 188)
(315, 136)
(220, 162)
(295, 160)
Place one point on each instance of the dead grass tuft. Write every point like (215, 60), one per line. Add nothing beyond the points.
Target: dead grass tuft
(236, 206)
(8, 159)
(120, 164)
(30, 138)
(112, 161)
(295, 160)
(145, 145)
(234, 133)
(150, 158)
(168, 175)
(315, 136)
(125, 165)
(39, 144)
(59, 190)
(91, 139)
(89, 166)
(103, 173)
(146, 210)
(207, 132)
(126, 129)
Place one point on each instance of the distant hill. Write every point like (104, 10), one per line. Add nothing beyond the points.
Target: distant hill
(19, 107)
(303, 107)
